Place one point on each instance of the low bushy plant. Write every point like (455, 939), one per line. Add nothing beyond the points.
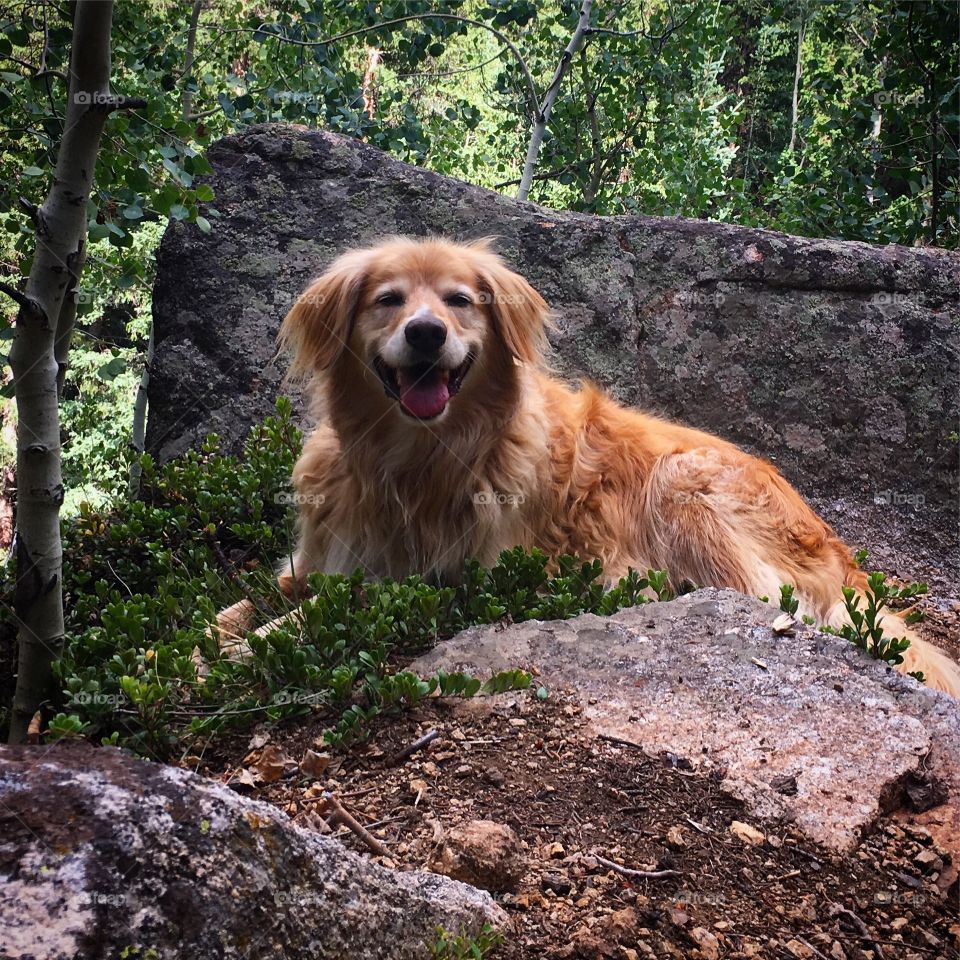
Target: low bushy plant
(464, 947)
(144, 579)
(866, 627)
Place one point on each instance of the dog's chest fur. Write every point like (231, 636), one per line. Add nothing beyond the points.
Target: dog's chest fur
(423, 501)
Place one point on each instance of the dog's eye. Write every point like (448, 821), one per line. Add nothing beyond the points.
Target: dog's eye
(390, 299)
(458, 300)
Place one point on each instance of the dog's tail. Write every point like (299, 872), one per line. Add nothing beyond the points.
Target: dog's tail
(939, 671)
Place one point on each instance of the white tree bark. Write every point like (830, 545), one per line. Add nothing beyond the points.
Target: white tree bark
(801, 31)
(38, 355)
(542, 117)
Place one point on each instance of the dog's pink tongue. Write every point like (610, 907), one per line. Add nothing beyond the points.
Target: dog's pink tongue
(424, 396)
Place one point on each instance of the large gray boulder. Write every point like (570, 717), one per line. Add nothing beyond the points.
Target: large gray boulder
(103, 856)
(838, 361)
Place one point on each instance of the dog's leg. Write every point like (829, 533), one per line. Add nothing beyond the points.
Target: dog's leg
(231, 628)
(294, 616)
(939, 671)
(235, 621)
(720, 524)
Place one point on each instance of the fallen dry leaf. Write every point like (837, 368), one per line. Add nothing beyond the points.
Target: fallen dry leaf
(272, 764)
(242, 777)
(784, 624)
(747, 833)
(259, 739)
(675, 837)
(33, 730)
(314, 764)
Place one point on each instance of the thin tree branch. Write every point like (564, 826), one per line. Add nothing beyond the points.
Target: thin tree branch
(469, 21)
(635, 874)
(21, 299)
(436, 75)
(642, 32)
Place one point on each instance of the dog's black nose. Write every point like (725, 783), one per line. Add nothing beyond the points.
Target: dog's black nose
(427, 335)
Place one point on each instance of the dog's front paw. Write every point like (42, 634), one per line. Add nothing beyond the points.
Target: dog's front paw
(231, 630)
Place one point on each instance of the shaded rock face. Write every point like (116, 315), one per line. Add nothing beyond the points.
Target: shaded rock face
(803, 727)
(100, 853)
(838, 361)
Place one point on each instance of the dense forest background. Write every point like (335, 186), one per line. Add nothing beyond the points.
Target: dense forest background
(828, 119)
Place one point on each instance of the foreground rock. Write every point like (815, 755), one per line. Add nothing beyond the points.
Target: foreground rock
(482, 853)
(101, 854)
(836, 360)
(804, 728)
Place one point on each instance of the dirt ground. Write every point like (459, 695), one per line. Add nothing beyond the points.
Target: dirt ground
(532, 765)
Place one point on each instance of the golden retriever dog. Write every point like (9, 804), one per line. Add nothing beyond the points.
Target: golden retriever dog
(443, 437)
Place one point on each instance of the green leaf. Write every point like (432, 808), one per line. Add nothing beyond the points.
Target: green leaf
(112, 368)
(32, 172)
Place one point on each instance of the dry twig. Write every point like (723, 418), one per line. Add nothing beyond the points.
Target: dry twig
(635, 874)
(415, 747)
(340, 815)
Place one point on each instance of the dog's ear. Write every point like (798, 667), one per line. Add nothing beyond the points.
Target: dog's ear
(318, 327)
(520, 314)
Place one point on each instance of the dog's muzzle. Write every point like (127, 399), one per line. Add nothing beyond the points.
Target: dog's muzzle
(422, 389)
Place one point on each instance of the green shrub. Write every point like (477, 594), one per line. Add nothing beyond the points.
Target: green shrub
(865, 629)
(464, 947)
(144, 579)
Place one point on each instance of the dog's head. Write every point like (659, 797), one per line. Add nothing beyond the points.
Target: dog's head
(418, 320)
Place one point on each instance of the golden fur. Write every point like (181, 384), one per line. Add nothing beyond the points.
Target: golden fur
(517, 457)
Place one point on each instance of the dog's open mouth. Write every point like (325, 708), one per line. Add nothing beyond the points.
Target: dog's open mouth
(423, 390)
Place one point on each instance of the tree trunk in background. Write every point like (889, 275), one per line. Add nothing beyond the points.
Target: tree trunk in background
(549, 98)
(186, 99)
(370, 81)
(796, 86)
(139, 431)
(39, 348)
(139, 427)
(934, 157)
(8, 485)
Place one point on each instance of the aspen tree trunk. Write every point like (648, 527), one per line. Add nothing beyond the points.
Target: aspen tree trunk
(795, 106)
(542, 118)
(38, 358)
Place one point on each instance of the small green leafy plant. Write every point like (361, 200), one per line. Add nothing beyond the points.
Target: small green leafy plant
(865, 628)
(465, 947)
(788, 603)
